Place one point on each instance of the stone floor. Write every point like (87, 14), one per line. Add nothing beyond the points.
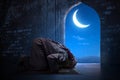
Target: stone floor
(90, 69)
(82, 71)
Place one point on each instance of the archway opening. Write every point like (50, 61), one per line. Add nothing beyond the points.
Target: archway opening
(82, 33)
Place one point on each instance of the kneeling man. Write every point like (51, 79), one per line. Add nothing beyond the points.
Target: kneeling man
(49, 55)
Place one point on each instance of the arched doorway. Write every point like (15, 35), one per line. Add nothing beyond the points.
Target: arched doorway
(82, 33)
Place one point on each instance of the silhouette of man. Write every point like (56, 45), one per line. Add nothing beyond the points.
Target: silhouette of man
(49, 55)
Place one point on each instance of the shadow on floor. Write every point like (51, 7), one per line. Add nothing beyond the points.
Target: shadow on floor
(81, 71)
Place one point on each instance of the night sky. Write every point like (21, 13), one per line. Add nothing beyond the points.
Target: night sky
(83, 42)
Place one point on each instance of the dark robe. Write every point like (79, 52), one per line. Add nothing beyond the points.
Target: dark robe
(50, 55)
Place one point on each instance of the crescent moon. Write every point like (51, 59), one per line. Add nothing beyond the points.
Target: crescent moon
(77, 23)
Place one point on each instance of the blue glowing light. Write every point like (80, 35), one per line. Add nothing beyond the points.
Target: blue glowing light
(83, 42)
